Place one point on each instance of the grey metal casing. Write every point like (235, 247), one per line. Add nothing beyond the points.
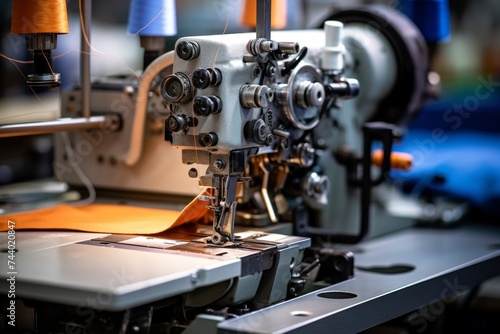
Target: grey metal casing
(97, 151)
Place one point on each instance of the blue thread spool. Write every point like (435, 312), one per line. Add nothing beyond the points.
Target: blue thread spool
(432, 17)
(152, 18)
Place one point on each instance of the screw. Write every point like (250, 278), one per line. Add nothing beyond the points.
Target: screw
(256, 71)
(270, 70)
(208, 139)
(219, 164)
(269, 139)
(194, 277)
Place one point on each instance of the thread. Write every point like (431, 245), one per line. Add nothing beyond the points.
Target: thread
(39, 17)
(152, 18)
(278, 14)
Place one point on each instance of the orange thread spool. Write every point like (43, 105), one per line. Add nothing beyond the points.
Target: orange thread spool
(39, 17)
(278, 13)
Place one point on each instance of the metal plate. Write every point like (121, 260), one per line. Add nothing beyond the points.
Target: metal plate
(446, 263)
(64, 269)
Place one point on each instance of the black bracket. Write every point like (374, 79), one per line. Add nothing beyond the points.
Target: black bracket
(384, 133)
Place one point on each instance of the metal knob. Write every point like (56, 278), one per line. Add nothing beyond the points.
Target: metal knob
(204, 77)
(303, 155)
(310, 94)
(316, 186)
(175, 123)
(188, 50)
(176, 88)
(255, 96)
(257, 132)
(206, 105)
(208, 139)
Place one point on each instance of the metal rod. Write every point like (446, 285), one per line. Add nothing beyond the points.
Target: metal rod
(86, 11)
(264, 19)
(106, 123)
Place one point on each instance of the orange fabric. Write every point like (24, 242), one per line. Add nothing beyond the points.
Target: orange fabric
(105, 218)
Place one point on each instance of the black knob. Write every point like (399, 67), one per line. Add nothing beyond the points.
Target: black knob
(175, 123)
(256, 131)
(204, 77)
(208, 139)
(201, 78)
(206, 105)
(188, 50)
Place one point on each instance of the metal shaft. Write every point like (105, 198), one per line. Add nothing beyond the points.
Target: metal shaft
(86, 11)
(108, 123)
(264, 19)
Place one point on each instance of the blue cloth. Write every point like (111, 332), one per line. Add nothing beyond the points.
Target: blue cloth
(462, 165)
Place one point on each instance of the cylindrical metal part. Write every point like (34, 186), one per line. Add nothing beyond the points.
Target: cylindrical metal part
(303, 155)
(41, 41)
(111, 123)
(316, 185)
(176, 88)
(85, 42)
(256, 131)
(310, 94)
(281, 93)
(288, 47)
(255, 96)
(346, 88)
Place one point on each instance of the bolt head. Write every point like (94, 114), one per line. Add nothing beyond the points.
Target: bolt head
(219, 164)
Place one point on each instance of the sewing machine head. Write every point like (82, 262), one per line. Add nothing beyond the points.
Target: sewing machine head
(236, 102)
(260, 112)
(277, 121)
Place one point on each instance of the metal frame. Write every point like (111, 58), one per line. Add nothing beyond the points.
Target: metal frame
(446, 264)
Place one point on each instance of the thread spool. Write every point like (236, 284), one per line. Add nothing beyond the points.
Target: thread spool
(39, 17)
(432, 17)
(278, 14)
(152, 18)
(41, 21)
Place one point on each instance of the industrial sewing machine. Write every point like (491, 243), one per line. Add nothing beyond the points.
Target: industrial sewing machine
(279, 127)
(270, 118)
